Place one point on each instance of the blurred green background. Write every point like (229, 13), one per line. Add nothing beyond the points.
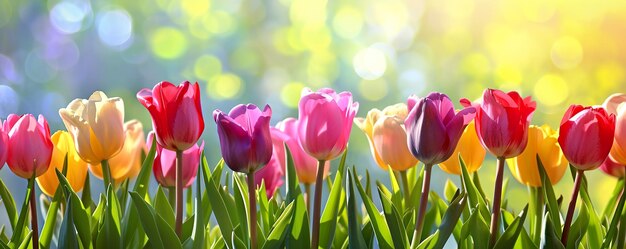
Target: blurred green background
(560, 52)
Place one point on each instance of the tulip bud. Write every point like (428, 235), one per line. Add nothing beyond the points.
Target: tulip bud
(76, 167)
(31, 147)
(586, 136)
(434, 128)
(272, 174)
(471, 151)
(127, 163)
(176, 114)
(387, 137)
(325, 122)
(611, 167)
(502, 121)
(245, 138)
(542, 141)
(306, 165)
(164, 167)
(96, 125)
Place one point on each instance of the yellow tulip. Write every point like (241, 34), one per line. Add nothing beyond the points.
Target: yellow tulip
(127, 163)
(76, 167)
(97, 126)
(387, 137)
(542, 141)
(471, 151)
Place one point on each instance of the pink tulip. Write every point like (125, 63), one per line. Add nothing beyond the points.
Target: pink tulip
(612, 167)
(4, 145)
(31, 148)
(616, 104)
(272, 174)
(586, 136)
(306, 165)
(164, 167)
(325, 122)
(502, 121)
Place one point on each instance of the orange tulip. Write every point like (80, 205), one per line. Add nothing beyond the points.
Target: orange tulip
(471, 151)
(76, 167)
(127, 163)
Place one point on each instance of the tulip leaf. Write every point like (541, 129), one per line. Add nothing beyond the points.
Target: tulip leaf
(218, 203)
(416, 192)
(20, 226)
(264, 209)
(475, 197)
(430, 242)
(336, 199)
(381, 229)
(26, 241)
(397, 194)
(578, 229)
(199, 226)
(450, 190)
(612, 231)
(450, 219)
(476, 227)
(595, 231)
(394, 221)
(550, 198)
(9, 204)
(109, 234)
(291, 177)
(298, 236)
(549, 238)
(276, 238)
(613, 201)
(355, 237)
(51, 219)
(511, 233)
(80, 216)
(243, 206)
(67, 235)
(163, 207)
(161, 235)
(479, 186)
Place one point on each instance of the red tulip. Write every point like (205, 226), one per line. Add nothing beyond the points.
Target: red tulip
(272, 174)
(245, 137)
(4, 145)
(164, 167)
(176, 114)
(586, 136)
(325, 122)
(612, 167)
(502, 121)
(31, 148)
(433, 128)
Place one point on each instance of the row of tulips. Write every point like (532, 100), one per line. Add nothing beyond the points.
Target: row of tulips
(294, 151)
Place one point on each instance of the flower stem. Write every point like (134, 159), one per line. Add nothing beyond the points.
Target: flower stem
(622, 224)
(407, 191)
(307, 197)
(317, 204)
(419, 225)
(497, 198)
(179, 193)
(33, 216)
(106, 173)
(572, 206)
(536, 200)
(252, 200)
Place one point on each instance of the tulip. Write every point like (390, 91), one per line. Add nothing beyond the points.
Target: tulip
(164, 167)
(4, 145)
(29, 156)
(306, 165)
(177, 121)
(272, 174)
(611, 167)
(176, 114)
(433, 129)
(586, 137)
(127, 163)
(246, 144)
(471, 151)
(616, 104)
(542, 141)
(325, 122)
(502, 121)
(76, 167)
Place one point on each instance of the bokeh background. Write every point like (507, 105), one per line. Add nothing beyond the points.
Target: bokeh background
(560, 52)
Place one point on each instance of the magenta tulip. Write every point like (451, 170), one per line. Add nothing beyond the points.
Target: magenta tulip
(4, 145)
(325, 122)
(164, 167)
(272, 174)
(245, 138)
(433, 128)
(502, 121)
(31, 148)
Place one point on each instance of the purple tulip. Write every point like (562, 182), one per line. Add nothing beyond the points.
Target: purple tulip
(245, 137)
(434, 128)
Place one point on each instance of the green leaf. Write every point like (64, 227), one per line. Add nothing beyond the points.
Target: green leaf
(610, 206)
(9, 204)
(86, 193)
(595, 231)
(80, 216)
(476, 227)
(474, 195)
(450, 190)
(163, 207)
(276, 238)
(51, 219)
(356, 237)
(67, 234)
(549, 197)
(291, 177)
(26, 241)
(20, 226)
(336, 199)
(298, 236)
(223, 215)
(241, 196)
(109, 234)
(610, 234)
(450, 219)
(549, 238)
(394, 221)
(578, 228)
(511, 233)
(198, 224)
(381, 229)
(161, 235)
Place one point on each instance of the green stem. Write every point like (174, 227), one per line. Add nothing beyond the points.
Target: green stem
(106, 173)
(536, 201)
(307, 197)
(317, 204)
(179, 193)
(407, 190)
(419, 224)
(497, 198)
(572, 207)
(252, 199)
(622, 224)
(33, 215)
